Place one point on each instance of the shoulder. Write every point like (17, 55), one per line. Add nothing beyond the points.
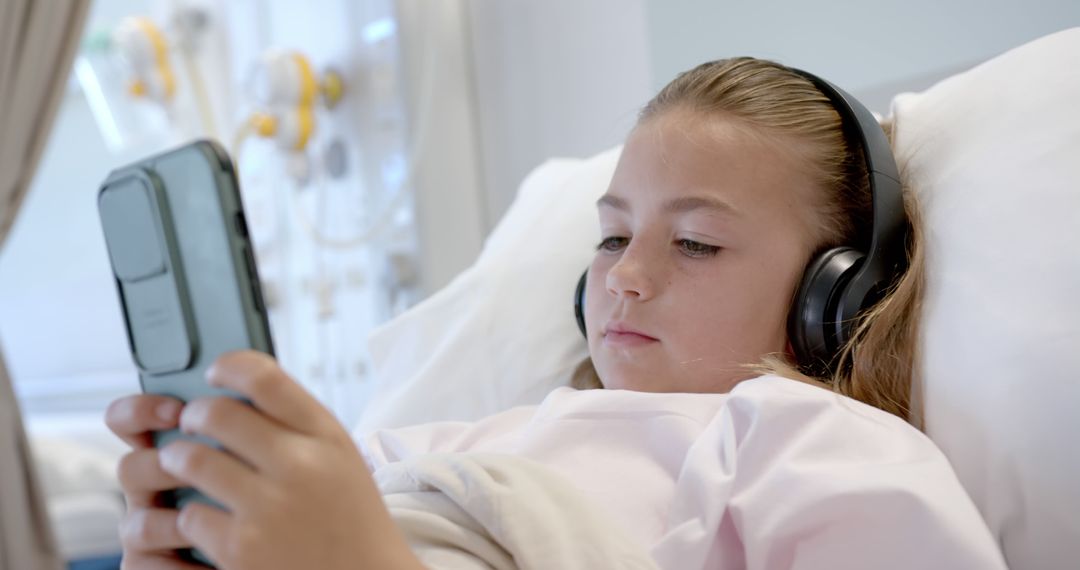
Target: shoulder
(776, 393)
(787, 413)
(844, 484)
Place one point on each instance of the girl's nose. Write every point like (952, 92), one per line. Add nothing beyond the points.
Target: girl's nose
(630, 276)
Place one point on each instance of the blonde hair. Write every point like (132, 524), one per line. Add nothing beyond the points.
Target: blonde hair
(877, 366)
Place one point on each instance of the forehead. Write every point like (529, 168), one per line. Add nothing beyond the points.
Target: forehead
(685, 153)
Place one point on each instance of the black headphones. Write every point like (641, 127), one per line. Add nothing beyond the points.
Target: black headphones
(842, 281)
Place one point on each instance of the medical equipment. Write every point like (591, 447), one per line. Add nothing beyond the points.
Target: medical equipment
(134, 86)
(144, 48)
(142, 45)
(320, 155)
(287, 88)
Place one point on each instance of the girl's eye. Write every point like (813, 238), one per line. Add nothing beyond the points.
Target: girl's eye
(697, 249)
(612, 244)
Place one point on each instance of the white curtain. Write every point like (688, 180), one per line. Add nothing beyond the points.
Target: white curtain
(38, 40)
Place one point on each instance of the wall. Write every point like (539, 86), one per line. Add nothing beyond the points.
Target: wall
(451, 208)
(872, 49)
(496, 87)
(566, 78)
(553, 78)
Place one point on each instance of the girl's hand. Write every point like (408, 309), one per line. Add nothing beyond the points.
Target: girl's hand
(149, 533)
(298, 492)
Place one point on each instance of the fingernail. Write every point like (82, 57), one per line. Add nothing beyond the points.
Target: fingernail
(211, 376)
(168, 411)
(168, 458)
(183, 521)
(192, 413)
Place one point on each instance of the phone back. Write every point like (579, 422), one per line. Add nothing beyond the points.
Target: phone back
(185, 272)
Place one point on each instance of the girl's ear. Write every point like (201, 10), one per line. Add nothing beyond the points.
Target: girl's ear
(790, 353)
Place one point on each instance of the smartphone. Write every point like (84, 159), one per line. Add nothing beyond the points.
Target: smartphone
(185, 272)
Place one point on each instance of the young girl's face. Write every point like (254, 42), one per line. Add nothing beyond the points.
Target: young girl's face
(706, 231)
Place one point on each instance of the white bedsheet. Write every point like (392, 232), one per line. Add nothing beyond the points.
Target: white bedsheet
(76, 460)
(776, 474)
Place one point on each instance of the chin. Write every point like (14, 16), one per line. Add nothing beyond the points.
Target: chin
(637, 380)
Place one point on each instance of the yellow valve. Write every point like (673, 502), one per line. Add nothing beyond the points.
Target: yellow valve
(293, 128)
(305, 122)
(289, 88)
(161, 55)
(308, 85)
(265, 125)
(168, 81)
(333, 87)
(137, 88)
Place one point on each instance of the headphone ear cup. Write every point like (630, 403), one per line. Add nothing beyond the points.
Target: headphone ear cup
(814, 328)
(579, 304)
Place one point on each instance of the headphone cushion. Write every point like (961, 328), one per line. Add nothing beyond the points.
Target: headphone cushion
(579, 303)
(815, 334)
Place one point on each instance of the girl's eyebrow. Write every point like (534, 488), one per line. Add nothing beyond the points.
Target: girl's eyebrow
(688, 203)
(613, 202)
(678, 205)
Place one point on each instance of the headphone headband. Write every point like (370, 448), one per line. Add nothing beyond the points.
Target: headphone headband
(887, 241)
(842, 282)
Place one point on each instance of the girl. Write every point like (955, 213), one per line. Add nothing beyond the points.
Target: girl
(707, 446)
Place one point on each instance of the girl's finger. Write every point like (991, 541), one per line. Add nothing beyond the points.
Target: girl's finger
(210, 529)
(141, 477)
(151, 530)
(134, 418)
(156, 561)
(258, 377)
(243, 430)
(215, 473)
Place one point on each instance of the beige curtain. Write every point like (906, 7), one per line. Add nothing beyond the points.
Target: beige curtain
(38, 40)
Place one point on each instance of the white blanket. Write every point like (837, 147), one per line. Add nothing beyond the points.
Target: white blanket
(466, 511)
(775, 475)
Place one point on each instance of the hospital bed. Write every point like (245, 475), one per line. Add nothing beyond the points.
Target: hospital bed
(77, 458)
(994, 156)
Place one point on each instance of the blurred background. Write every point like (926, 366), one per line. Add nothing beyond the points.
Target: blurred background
(377, 143)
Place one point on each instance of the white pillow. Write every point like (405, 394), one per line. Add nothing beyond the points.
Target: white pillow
(995, 156)
(503, 332)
